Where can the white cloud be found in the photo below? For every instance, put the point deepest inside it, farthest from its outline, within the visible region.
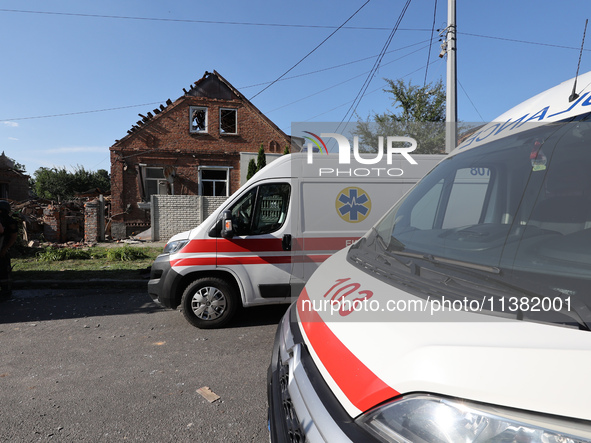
(11, 124)
(12, 138)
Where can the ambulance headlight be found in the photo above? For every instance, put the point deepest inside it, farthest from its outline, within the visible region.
(175, 246)
(426, 418)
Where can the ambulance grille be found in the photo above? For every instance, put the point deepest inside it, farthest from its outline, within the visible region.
(292, 424)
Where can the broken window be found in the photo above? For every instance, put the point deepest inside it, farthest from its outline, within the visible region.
(198, 119)
(214, 181)
(154, 182)
(228, 121)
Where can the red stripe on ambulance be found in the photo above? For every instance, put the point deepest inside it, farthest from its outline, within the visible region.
(266, 245)
(362, 387)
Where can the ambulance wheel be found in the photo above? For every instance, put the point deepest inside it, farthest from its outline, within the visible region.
(209, 303)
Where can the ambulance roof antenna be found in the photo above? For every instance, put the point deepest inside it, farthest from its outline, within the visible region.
(574, 94)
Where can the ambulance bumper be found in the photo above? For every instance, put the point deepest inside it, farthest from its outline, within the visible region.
(301, 405)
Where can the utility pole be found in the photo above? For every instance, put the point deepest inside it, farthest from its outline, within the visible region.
(451, 109)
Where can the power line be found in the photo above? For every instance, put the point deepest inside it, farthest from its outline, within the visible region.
(429, 53)
(336, 66)
(375, 67)
(240, 88)
(80, 112)
(279, 25)
(207, 22)
(312, 51)
(370, 92)
(520, 41)
(343, 82)
(283, 79)
(473, 105)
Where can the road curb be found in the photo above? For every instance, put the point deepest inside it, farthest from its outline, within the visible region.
(80, 284)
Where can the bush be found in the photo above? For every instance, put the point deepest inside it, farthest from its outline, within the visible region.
(126, 253)
(60, 254)
(123, 253)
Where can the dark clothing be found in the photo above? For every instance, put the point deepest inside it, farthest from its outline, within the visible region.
(10, 226)
(9, 223)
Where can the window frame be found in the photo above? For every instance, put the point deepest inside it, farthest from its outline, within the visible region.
(145, 179)
(255, 216)
(226, 181)
(193, 109)
(235, 121)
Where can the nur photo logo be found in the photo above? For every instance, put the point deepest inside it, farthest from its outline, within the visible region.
(381, 162)
(344, 148)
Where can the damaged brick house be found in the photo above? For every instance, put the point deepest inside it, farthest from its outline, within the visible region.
(14, 184)
(190, 146)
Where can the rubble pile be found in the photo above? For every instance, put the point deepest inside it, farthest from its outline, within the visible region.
(46, 222)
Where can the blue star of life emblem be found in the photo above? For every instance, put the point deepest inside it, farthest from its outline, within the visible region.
(353, 204)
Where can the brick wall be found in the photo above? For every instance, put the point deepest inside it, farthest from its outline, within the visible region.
(62, 223)
(52, 224)
(172, 214)
(91, 221)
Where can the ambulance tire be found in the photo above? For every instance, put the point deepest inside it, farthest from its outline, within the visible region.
(209, 303)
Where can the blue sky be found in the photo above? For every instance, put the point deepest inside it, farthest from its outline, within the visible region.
(78, 57)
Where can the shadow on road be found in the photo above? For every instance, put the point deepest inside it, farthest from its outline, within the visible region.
(34, 305)
(259, 315)
(54, 304)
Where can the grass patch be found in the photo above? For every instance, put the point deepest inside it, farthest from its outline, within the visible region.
(118, 262)
(61, 254)
(126, 253)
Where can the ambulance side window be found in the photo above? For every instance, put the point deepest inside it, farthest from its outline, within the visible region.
(271, 208)
(459, 201)
(242, 213)
(262, 210)
(422, 215)
(467, 199)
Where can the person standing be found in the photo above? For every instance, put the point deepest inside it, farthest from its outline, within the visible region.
(8, 237)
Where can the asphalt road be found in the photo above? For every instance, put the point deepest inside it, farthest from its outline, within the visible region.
(109, 365)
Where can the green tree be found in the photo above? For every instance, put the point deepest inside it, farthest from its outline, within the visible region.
(252, 168)
(102, 179)
(418, 103)
(261, 159)
(261, 162)
(60, 184)
(52, 183)
(419, 113)
(286, 150)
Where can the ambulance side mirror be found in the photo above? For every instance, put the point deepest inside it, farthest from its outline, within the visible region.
(227, 226)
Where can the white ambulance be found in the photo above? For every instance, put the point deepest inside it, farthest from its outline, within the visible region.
(271, 235)
(464, 314)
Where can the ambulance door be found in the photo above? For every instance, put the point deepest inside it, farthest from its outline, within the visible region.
(259, 253)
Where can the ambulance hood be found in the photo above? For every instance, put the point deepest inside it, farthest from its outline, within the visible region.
(180, 236)
(549, 106)
(477, 357)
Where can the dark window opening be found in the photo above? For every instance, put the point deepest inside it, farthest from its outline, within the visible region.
(228, 121)
(214, 182)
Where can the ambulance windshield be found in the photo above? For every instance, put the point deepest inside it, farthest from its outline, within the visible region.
(514, 213)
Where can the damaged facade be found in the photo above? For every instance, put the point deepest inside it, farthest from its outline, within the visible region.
(14, 184)
(190, 146)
